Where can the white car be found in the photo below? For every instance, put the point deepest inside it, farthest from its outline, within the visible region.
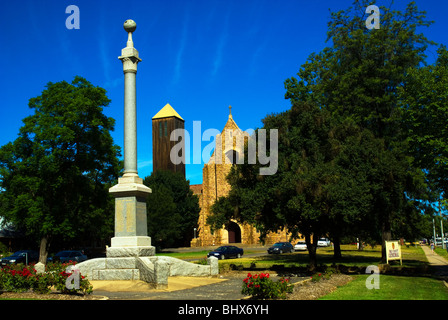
(300, 246)
(323, 242)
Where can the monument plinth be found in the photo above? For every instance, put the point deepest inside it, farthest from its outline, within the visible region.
(131, 238)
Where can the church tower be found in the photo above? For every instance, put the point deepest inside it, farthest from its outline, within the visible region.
(163, 123)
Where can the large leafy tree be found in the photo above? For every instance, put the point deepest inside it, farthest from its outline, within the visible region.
(173, 209)
(357, 78)
(358, 75)
(326, 174)
(424, 101)
(55, 175)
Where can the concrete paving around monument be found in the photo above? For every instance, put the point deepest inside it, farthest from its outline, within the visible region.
(222, 287)
(178, 288)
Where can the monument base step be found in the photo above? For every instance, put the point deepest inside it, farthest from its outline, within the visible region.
(116, 274)
(137, 251)
(154, 270)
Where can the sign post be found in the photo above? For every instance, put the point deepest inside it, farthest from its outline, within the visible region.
(393, 251)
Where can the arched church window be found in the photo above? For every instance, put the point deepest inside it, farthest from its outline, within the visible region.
(232, 156)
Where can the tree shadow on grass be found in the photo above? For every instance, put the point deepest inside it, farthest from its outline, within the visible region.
(351, 262)
(302, 258)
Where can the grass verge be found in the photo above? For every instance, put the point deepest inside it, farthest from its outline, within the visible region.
(413, 256)
(391, 288)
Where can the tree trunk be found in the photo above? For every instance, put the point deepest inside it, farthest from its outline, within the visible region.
(386, 236)
(311, 251)
(44, 246)
(337, 254)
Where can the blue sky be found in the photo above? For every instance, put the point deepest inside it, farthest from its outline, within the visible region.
(199, 56)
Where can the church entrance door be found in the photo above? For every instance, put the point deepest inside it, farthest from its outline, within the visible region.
(234, 231)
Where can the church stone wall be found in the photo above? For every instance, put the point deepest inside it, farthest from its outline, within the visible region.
(215, 185)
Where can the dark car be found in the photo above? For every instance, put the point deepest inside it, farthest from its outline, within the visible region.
(225, 252)
(67, 256)
(22, 256)
(281, 247)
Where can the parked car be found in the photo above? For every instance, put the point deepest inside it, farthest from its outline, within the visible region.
(22, 256)
(300, 246)
(68, 255)
(323, 242)
(439, 241)
(225, 252)
(281, 247)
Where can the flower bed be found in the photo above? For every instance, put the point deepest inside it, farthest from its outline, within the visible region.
(20, 278)
(262, 287)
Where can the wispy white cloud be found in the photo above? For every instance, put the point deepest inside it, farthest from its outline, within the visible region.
(182, 44)
(144, 168)
(257, 54)
(217, 62)
(144, 163)
(106, 54)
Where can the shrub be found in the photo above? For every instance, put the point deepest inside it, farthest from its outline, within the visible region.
(320, 276)
(262, 287)
(59, 275)
(202, 261)
(18, 278)
(316, 277)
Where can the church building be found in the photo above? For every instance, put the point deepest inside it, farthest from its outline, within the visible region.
(214, 185)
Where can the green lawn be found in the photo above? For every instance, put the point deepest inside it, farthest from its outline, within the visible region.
(442, 252)
(186, 255)
(412, 256)
(391, 288)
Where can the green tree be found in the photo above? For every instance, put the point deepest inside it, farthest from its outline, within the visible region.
(357, 78)
(319, 187)
(55, 176)
(173, 209)
(424, 102)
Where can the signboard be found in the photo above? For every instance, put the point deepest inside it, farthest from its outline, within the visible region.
(393, 251)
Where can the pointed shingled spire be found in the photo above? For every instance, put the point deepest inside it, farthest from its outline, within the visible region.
(166, 112)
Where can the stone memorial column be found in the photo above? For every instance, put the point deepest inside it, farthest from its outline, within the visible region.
(131, 238)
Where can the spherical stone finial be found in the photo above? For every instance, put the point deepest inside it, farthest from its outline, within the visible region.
(130, 25)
